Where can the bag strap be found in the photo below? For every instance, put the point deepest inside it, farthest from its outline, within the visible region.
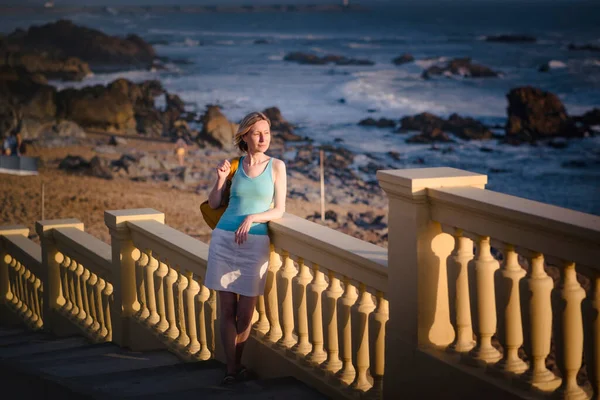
(234, 166)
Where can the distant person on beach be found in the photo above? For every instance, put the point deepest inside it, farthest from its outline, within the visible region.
(181, 150)
(238, 255)
(13, 144)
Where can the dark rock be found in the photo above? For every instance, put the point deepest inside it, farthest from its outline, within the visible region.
(395, 155)
(338, 140)
(430, 136)
(466, 128)
(216, 129)
(65, 39)
(486, 150)
(421, 122)
(261, 41)
(124, 163)
(371, 168)
(381, 123)
(558, 144)
(312, 59)
(63, 68)
(460, 67)
(590, 118)
(575, 164)
(511, 39)
(74, 163)
(534, 114)
(586, 47)
(342, 101)
(544, 68)
(280, 126)
(403, 59)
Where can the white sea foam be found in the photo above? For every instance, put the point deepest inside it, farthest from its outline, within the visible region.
(191, 42)
(555, 64)
(353, 45)
(428, 62)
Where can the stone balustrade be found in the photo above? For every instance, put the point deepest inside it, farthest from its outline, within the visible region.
(477, 292)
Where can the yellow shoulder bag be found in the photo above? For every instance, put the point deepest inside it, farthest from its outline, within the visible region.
(213, 215)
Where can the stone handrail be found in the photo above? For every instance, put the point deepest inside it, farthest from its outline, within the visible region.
(20, 272)
(484, 306)
(85, 281)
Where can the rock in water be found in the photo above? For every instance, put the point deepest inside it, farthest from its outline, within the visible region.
(535, 114)
(403, 59)
(65, 39)
(280, 126)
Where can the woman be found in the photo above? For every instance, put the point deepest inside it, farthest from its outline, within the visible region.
(238, 255)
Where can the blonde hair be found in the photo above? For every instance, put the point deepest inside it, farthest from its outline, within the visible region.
(247, 123)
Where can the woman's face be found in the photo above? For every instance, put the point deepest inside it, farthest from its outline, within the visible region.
(258, 137)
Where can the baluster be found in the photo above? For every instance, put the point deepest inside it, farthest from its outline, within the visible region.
(160, 274)
(38, 296)
(10, 289)
(100, 286)
(286, 274)
(107, 293)
(172, 332)
(485, 267)
(300, 281)
(361, 310)
(181, 284)
(377, 335)
(539, 317)
(14, 282)
(592, 334)
(72, 287)
(205, 349)
(151, 268)
(315, 291)
(79, 285)
(271, 301)
(510, 326)
(212, 317)
(91, 288)
(22, 306)
(347, 373)
(333, 363)
(262, 324)
(461, 317)
(64, 274)
(28, 300)
(190, 294)
(568, 334)
(85, 282)
(140, 276)
(33, 304)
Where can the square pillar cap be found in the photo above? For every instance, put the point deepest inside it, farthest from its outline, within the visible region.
(48, 224)
(116, 219)
(14, 230)
(414, 182)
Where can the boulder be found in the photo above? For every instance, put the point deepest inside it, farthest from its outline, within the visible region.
(535, 114)
(63, 68)
(312, 59)
(100, 168)
(73, 163)
(62, 129)
(430, 136)
(421, 122)
(460, 67)
(380, 123)
(217, 129)
(117, 141)
(464, 127)
(467, 128)
(280, 126)
(403, 59)
(65, 39)
(511, 39)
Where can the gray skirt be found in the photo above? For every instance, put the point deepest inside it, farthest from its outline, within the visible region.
(240, 269)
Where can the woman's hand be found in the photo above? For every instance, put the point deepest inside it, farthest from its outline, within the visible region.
(223, 170)
(241, 234)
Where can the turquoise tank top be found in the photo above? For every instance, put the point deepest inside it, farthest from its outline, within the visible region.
(248, 196)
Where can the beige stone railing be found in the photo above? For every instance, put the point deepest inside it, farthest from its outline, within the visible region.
(460, 304)
(20, 271)
(79, 272)
(485, 297)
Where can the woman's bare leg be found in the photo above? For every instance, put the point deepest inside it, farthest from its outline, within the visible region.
(245, 311)
(228, 311)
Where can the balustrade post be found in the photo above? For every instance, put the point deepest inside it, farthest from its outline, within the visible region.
(53, 296)
(6, 295)
(125, 305)
(418, 303)
(591, 323)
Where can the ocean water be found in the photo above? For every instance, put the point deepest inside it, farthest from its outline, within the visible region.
(226, 67)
